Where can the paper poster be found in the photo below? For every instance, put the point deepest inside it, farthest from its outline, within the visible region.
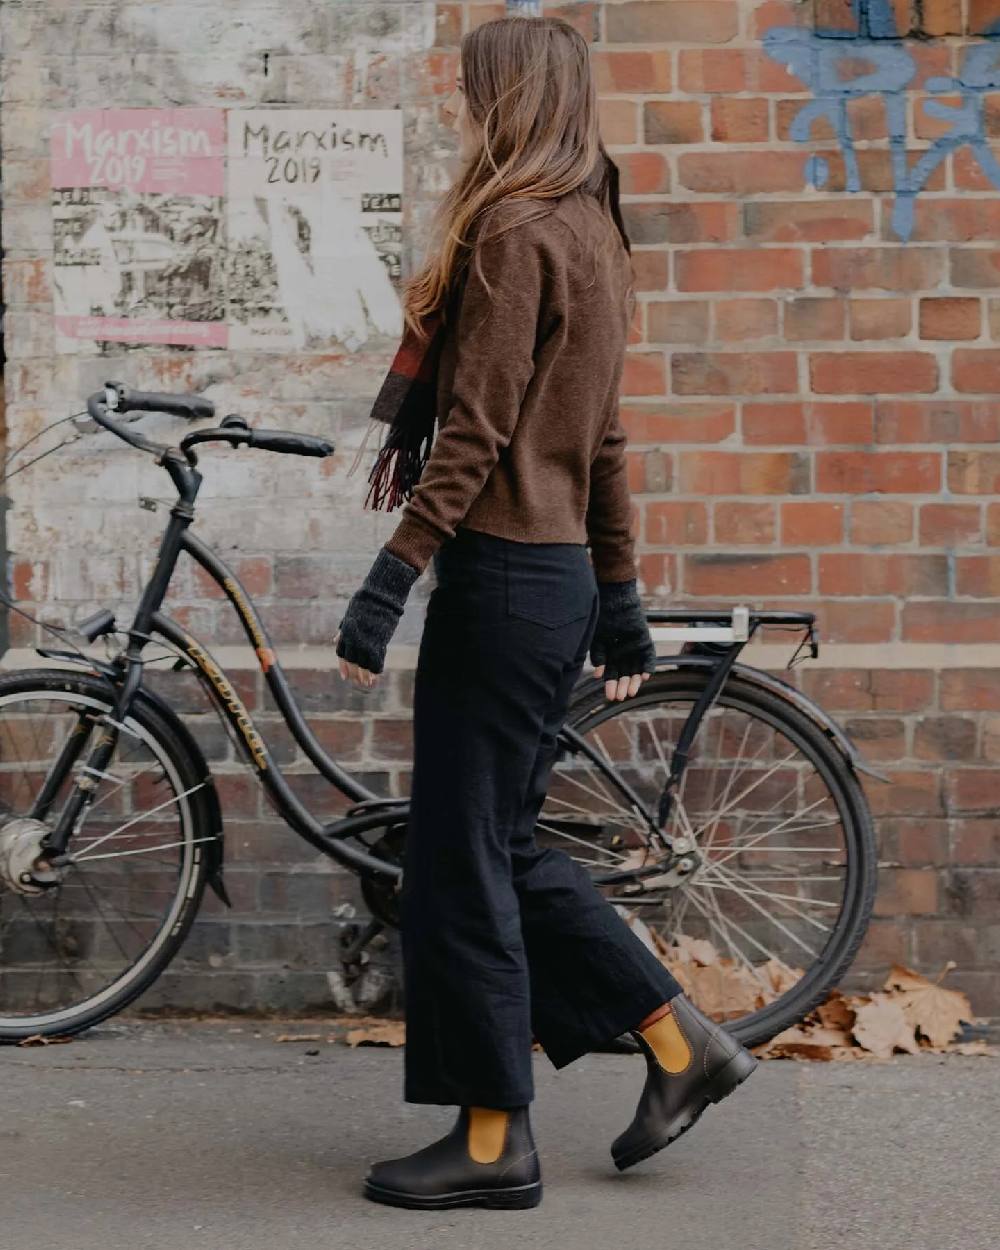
(139, 227)
(262, 228)
(314, 212)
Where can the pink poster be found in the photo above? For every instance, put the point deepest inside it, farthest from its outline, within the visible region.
(139, 227)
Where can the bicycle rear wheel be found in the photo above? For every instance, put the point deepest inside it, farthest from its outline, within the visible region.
(783, 860)
(87, 945)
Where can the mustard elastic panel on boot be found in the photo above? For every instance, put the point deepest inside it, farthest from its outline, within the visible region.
(487, 1134)
(669, 1044)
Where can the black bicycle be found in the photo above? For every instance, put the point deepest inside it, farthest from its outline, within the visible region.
(719, 809)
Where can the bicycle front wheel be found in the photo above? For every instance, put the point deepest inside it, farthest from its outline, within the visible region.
(86, 945)
(778, 887)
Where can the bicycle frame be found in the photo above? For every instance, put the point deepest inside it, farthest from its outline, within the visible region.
(369, 810)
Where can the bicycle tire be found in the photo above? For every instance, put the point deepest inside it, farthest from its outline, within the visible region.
(175, 756)
(590, 707)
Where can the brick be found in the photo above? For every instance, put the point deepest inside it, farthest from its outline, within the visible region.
(856, 620)
(723, 71)
(976, 267)
(677, 321)
(976, 841)
(907, 892)
(643, 173)
(966, 219)
(881, 738)
(733, 373)
(702, 221)
(912, 792)
(879, 318)
(739, 320)
(753, 524)
(748, 473)
(644, 373)
(858, 472)
(945, 738)
(976, 369)
(872, 373)
(886, 268)
(672, 121)
(970, 689)
(936, 420)
(651, 471)
(812, 524)
(805, 221)
(727, 575)
(676, 523)
(739, 119)
(733, 269)
(657, 573)
(863, 573)
(618, 120)
(668, 21)
(886, 942)
(632, 72)
(973, 790)
(914, 843)
(974, 472)
(978, 576)
(739, 173)
(937, 620)
(651, 268)
(993, 525)
(950, 525)
(813, 317)
(950, 318)
(818, 423)
(709, 422)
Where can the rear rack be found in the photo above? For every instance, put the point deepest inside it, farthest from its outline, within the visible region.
(729, 625)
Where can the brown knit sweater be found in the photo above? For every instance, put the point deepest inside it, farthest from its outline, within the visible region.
(529, 445)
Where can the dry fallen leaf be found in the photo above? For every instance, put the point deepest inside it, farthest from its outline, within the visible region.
(881, 1027)
(377, 1033)
(298, 1037)
(936, 1013)
(39, 1039)
(835, 1012)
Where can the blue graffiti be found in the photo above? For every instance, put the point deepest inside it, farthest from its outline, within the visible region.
(842, 65)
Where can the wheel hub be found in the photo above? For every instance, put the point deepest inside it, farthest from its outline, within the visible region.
(23, 868)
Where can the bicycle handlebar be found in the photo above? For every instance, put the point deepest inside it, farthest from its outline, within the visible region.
(117, 398)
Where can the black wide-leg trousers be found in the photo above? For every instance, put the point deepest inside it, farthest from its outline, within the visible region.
(504, 940)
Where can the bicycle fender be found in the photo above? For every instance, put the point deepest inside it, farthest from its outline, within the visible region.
(776, 686)
(215, 846)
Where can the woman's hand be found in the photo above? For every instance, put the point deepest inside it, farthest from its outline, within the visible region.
(371, 618)
(623, 687)
(622, 648)
(362, 677)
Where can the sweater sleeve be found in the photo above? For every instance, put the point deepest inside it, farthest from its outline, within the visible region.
(495, 347)
(609, 510)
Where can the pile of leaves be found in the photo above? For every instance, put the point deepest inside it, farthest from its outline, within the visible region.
(910, 1013)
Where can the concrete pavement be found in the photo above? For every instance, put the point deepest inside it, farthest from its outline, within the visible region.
(215, 1136)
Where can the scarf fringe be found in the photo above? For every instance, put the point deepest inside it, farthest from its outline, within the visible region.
(401, 461)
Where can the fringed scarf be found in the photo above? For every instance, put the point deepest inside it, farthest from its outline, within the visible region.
(407, 404)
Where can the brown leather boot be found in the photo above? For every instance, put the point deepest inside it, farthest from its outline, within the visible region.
(690, 1062)
(487, 1160)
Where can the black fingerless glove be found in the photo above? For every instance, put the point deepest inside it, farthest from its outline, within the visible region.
(621, 640)
(374, 611)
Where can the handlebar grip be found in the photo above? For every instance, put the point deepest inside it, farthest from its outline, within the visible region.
(192, 407)
(289, 443)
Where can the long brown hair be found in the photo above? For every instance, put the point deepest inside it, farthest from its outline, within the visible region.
(530, 91)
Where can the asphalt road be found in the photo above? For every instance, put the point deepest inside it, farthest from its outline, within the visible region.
(216, 1136)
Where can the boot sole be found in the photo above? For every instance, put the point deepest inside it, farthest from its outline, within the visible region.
(515, 1198)
(723, 1083)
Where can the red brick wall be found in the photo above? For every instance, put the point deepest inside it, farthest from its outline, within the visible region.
(810, 394)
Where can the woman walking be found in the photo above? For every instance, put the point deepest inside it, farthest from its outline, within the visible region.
(514, 346)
